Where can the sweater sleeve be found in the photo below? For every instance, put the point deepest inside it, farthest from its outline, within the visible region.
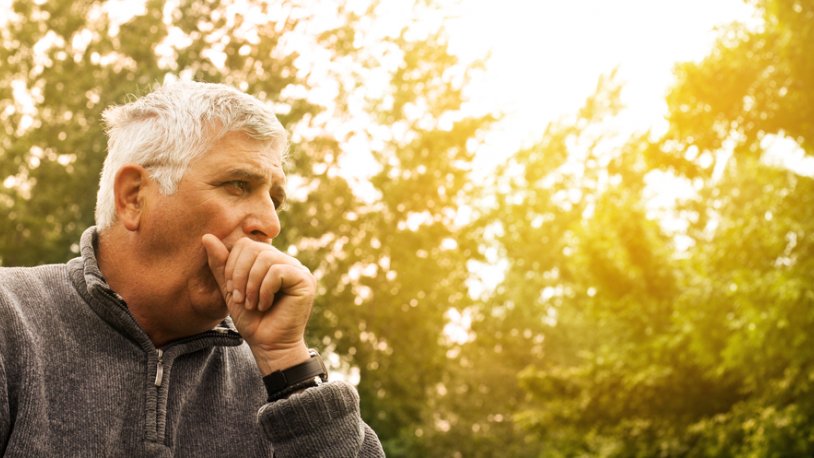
(322, 421)
(5, 414)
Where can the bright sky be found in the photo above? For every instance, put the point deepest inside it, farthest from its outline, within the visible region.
(548, 55)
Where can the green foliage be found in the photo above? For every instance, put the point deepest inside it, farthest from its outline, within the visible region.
(753, 83)
(660, 351)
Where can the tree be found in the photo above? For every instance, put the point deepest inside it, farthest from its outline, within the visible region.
(752, 84)
(589, 295)
(701, 351)
(397, 258)
(749, 227)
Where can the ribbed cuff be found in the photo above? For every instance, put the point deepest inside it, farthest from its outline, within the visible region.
(322, 421)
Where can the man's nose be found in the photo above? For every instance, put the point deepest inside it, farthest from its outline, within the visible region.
(263, 224)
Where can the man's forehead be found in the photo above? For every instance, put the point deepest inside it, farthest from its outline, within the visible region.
(239, 154)
(245, 146)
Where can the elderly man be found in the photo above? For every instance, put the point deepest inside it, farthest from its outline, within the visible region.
(180, 329)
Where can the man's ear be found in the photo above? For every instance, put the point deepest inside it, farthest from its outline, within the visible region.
(129, 194)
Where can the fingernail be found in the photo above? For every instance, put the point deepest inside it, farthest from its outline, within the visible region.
(237, 296)
(248, 303)
(228, 286)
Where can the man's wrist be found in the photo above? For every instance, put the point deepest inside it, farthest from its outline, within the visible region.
(269, 361)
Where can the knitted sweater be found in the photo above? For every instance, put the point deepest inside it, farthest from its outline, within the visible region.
(78, 376)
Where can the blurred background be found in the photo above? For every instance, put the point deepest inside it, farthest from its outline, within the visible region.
(540, 228)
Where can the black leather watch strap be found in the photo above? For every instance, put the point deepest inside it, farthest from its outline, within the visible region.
(283, 382)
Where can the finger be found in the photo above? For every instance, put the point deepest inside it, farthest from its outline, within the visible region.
(262, 263)
(285, 279)
(234, 255)
(264, 260)
(262, 257)
(272, 282)
(243, 263)
(216, 256)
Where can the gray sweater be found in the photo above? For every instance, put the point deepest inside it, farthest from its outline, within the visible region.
(79, 377)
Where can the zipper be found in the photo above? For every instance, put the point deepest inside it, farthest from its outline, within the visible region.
(219, 331)
(159, 368)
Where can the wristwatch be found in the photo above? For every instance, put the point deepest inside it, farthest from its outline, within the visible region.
(282, 383)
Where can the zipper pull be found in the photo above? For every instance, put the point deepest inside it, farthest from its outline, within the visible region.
(159, 368)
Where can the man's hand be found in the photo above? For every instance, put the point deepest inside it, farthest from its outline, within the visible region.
(269, 295)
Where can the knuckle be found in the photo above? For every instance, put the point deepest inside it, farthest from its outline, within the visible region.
(277, 269)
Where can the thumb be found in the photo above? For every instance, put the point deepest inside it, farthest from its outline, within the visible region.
(216, 254)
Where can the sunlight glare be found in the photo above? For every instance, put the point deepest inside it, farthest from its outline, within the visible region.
(547, 56)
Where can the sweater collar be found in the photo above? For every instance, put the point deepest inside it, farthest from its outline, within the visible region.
(92, 286)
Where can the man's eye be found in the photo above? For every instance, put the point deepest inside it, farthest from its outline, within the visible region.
(240, 186)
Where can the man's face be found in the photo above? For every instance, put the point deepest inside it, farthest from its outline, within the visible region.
(232, 191)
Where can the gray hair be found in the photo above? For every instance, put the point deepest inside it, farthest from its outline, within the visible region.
(168, 128)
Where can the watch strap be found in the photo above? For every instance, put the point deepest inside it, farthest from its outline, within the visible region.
(307, 374)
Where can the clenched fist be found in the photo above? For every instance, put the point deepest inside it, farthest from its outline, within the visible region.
(269, 295)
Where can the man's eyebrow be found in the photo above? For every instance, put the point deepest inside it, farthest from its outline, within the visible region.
(245, 174)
